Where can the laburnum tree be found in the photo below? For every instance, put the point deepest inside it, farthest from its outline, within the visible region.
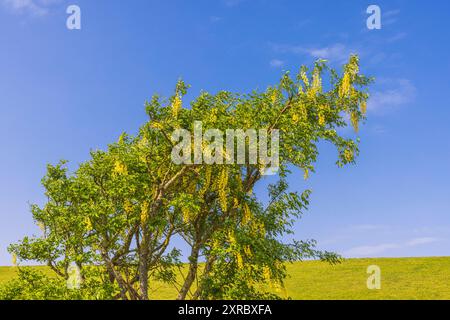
(115, 217)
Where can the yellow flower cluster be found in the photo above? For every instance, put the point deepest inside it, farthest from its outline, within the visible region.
(41, 226)
(344, 89)
(316, 85)
(239, 260)
(274, 96)
(231, 238)
(304, 78)
(157, 125)
(222, 188)
(88, 223)
(208, 172)
(145, 207)
(258, 228)
(176, 106)
(246, 218)
(128, 207)
(317, 81)
(120, 168)
(248, 251)
(348, 155)
(186, 214)
(300, 113)
(306, 174)
(364, 107)
(266, 273)
(321, 119)
(355, 121)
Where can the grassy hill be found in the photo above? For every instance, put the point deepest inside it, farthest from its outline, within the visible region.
(402, 278)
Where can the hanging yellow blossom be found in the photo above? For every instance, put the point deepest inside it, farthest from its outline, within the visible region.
(88, 223)
(247, 214)
(208, 172)
(355, 121)
(364, 107)
(317, 81)
(304, 78)
(274, 96)
(257, 227)
(144, 211)
(238, 183)
(186, 214)
(266, 273)
(248, 251)
(157, 125)
(295, 118)
(122, 138)
(14, 260)
(344, 89)
(41, 226)
(348, 155)
(176, 106)
(231, 238)
(128, 206)
(120, 168)
(306, 174)
(239, 261)
(316, 86)
(222, 188)
(321, 119)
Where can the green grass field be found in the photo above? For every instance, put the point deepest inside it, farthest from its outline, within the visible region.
(401, 278)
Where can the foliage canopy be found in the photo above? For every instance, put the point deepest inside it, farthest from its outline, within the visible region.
(115, 217)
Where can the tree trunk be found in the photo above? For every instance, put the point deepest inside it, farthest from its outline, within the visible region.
(143, 271)
(193, 266)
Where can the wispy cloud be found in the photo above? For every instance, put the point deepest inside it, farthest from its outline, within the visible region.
(337, 52)
(32, 7)
(276, 63)
(390, 17)
(232, 3)
(368, 227)
(373, 250)
(367, 251)
(420, 241)
(397, 37)
(394, 93)
(215, 19)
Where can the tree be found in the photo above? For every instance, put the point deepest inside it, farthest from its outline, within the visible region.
(120, 210)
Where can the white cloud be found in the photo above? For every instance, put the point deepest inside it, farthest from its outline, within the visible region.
(368, 251)
(276, 63)
(397, 37)
(368, 227)
(420, 241)
(32, 7)
(334, 53)
(394, 93)
(214, 19)
(232, 3)
(389, 17)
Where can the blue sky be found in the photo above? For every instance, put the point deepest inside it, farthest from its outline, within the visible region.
(64, 92)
